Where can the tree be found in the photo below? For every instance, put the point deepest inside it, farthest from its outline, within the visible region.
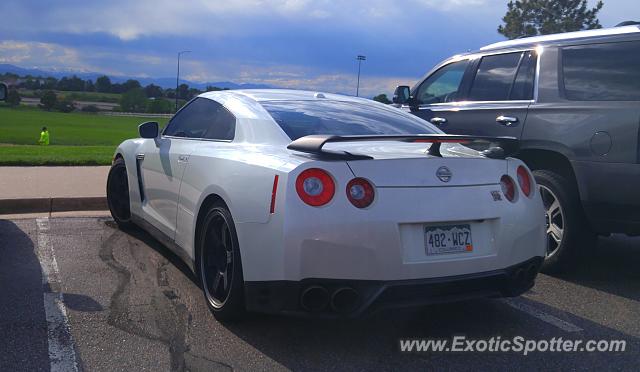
(159, 106)
(153, 91)
(50, 83)
(103, 84)
(48, 100)
(89, 86)
(65, 105)
(382, 98)
(542, 17)
(73, 83)
(130, 84)
(117, 88)
(193, 92)
(134, 101)
(13, 97)
(183, 91)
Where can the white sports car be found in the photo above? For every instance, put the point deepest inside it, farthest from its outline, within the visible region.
(309, 203)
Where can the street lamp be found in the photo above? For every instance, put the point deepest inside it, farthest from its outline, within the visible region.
(360, 59)
(178, 75)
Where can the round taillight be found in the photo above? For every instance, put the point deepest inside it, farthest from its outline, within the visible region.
(524, 179)
(315, 187)
(360, 192)
(508, 188)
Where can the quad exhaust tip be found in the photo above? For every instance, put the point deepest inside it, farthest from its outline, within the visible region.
(315, 298)
(344, 300)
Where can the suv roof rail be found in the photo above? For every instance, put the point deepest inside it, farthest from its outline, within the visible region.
(627, 23)
(624, 29)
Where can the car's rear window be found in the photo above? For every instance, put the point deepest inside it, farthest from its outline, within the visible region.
(303, 118)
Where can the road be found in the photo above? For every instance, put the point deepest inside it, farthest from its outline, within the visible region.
(105, 106)
(129, 304)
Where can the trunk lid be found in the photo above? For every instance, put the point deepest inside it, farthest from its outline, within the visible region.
(408, 165)
(429, 172)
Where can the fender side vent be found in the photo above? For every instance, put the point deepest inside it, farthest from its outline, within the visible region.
(139, 159)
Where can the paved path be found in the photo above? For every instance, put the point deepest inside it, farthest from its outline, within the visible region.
(52, 182)
(124, 302)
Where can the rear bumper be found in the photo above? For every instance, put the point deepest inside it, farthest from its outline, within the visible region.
(352, 298)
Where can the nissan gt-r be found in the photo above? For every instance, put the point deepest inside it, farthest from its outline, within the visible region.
(318, 204)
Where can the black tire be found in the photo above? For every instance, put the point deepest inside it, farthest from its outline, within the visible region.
(219, 266)
(118, 194)
(576, 234)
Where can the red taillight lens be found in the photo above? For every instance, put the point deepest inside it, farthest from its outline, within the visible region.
(315, 187)
(524, 179)
(360, 192)
(508, 187)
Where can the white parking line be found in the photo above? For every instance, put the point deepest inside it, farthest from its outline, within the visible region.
(62, 356)
(548, 318)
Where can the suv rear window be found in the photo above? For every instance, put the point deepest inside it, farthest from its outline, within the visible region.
(602, 72)
(303, 118)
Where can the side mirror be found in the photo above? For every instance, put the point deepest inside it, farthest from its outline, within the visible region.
(402, 95)
(149, 129)
(3, 92)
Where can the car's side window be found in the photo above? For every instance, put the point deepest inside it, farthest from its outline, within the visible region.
(602, 72)
(202, 118)
(443, 85)
(494, 77)
(192, 121)
(224, 124)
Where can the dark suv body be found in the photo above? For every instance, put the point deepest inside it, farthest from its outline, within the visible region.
(574, 102)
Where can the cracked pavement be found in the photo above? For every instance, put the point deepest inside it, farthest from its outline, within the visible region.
(133, 305)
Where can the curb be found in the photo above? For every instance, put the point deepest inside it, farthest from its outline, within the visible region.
(49, 205)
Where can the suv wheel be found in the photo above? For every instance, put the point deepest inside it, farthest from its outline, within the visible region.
(567, 229)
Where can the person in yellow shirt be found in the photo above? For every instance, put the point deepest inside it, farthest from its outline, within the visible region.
(44, 137)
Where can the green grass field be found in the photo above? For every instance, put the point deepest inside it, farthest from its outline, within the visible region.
(75, 138)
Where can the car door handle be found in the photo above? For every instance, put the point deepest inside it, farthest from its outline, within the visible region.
(438, 121)
(183, 158)
(507, 120)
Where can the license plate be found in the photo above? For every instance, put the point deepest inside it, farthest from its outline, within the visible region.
(448, 239)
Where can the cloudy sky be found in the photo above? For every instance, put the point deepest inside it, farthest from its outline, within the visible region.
(308, 44)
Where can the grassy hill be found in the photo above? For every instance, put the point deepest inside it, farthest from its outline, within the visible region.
(76, 138)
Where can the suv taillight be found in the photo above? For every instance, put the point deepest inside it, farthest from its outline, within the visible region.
(315, 187)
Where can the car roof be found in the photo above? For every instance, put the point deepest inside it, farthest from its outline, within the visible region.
(262, 95)
(559, 38)
(247, 102)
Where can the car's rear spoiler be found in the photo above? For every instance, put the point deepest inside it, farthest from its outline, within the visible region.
(491, 147)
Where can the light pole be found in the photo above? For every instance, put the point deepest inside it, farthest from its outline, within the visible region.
(360, 59)
(178, 75)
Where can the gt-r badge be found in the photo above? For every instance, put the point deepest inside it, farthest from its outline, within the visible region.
(496, 195)
(444, 174)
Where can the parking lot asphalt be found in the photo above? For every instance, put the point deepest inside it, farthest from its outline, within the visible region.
(120, 301)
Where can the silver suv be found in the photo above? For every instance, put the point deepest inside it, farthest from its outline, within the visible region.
(573, 100)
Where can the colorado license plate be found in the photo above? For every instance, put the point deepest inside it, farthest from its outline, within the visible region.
(448, 239)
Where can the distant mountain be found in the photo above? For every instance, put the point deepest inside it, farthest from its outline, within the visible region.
(165, 82)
